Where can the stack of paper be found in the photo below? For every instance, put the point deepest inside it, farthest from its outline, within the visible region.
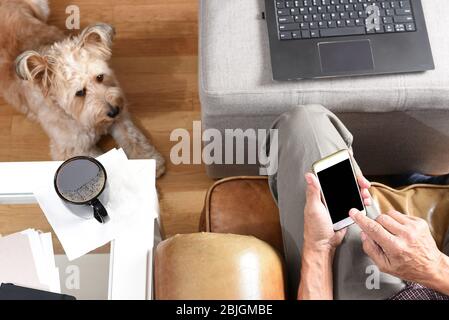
(27, 260)
(127, 198)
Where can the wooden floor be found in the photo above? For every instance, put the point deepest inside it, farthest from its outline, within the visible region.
(155, 57)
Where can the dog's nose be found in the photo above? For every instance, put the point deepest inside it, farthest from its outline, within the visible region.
(113, 112)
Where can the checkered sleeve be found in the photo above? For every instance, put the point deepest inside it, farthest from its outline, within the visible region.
(414, 291)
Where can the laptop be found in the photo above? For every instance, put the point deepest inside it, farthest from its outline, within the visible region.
(334, 38)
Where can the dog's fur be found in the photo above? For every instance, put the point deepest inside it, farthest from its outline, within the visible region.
(65, 83)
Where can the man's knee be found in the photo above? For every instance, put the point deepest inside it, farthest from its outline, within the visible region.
(302, 118)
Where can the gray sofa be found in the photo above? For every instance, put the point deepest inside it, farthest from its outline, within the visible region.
(400, 122)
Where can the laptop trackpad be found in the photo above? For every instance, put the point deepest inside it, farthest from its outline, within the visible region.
(346, 56)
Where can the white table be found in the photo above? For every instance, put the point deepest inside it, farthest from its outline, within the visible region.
(130, 258)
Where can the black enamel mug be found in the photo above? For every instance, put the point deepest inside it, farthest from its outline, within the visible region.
(80, 181)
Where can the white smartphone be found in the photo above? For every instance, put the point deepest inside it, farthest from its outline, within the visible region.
(340, 190)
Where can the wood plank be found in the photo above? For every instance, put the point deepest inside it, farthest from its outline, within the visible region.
(167, 83)
(186, 64)
(151, 12)
(141, 103)
(155, 47)
(155, 20)
(178, 218)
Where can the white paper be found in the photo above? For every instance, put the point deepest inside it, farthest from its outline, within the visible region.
(53, 272)
(38, 256)
(17, 263)
(28, 260)
(125, 197)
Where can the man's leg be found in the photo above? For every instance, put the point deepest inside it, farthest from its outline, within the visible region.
(307, 134)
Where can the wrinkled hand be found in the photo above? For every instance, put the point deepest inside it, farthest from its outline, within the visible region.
(319, 233)
(400, 245)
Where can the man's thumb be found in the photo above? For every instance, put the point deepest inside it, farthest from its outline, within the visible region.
(313, 191)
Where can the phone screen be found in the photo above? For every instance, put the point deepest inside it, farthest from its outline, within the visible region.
(340, 190)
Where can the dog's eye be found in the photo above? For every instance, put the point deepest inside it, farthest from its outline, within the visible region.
(81, 93)
(100, 78)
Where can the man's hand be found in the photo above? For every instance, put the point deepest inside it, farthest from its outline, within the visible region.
(319, 233)
(403, 246)
(320, 242)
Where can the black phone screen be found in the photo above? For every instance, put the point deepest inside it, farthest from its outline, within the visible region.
(340, 190)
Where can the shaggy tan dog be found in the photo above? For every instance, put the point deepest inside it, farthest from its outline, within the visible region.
(65, 83)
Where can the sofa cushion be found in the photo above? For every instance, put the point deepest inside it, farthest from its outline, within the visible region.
(236, 77)
(244, 205)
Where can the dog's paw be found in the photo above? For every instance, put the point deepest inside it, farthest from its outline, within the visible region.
(160, 164)
(160, 168)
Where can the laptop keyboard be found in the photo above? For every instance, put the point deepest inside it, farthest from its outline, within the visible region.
(305, 19)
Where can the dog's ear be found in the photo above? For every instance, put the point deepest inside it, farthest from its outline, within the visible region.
(31, 66)
(97, 39)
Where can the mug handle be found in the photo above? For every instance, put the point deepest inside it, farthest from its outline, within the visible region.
(100, 213)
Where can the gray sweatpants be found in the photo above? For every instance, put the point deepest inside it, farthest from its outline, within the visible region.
(307, 134)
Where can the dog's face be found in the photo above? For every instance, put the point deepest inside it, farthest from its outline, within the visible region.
(74, 75)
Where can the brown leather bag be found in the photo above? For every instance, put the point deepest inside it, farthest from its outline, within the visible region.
(244, 205)
(428, 202)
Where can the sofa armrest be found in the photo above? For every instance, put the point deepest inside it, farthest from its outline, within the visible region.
(207, 266)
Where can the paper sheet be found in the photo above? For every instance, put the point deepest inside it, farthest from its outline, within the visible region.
(17, 264)
(27, 259)
(53, 276)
